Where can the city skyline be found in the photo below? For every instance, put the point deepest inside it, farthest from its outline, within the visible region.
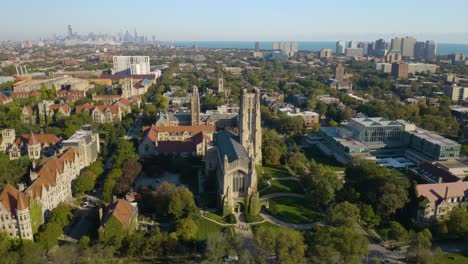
(239, 21)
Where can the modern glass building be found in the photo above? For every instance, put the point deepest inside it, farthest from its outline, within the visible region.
(380, 136)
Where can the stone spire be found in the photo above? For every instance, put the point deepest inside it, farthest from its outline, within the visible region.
(22, 204)
(195, 106)
(32, 139)
(250, 130)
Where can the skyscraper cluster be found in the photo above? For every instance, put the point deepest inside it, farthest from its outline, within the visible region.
(407, 47)
(288, 47)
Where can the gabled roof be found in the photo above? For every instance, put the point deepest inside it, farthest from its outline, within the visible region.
(437, 192)
(43, 139)
(86, 106)
(47, 172)
(123, 211)
(229, 146)
(12, 199)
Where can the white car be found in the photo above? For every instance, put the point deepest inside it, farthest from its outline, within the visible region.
(85, 204)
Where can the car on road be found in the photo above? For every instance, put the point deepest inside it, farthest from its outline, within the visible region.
(85, 204)
(229, 258)
(386, 261)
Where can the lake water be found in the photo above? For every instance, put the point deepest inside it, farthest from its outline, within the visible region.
(442, 48)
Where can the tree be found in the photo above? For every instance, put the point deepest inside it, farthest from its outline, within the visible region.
(218, 244)
(181, 203)
(130, 171)
(84, 242)
(97, 167)
(336, 245)
(457, 223)
(125, 150)
(343, 213)
(271, 156)
(418, 242)
(287, 245)
(186, 229)
(85, 182)
(49, 235)
(363, 175)
(395, 231)
(61, 215)
(322, 182)
(368, 216)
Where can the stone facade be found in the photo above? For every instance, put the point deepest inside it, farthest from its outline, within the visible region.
(15, 219)
(441, 199)
(233, 158)
(250, 129)
(184, 140)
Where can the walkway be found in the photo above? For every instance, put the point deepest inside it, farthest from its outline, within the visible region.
(282, 194)
(277, 222)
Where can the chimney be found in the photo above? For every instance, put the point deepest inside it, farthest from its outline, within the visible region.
(446, 193)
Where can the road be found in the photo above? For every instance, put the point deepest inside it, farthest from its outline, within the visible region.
(134, 130)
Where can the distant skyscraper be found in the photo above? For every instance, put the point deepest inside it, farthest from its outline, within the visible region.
(362, 45)
(407, 47)
(352, 44)
(340, 47)
(431, 49)
(131, 65)
(70, 31)
(420, 50)
(325, 53)
(288, 47)
(380, 44)
(257, 46)
(396, 44)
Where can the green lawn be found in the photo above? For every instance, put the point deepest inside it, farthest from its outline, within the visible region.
(454, 258)
(216, 217)
(206, 227)
(314, 152)
(283, 186)
(266, 225)
(293, 210)
(272, 172)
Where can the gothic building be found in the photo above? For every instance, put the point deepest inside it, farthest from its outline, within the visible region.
(195, 106)
(233, 157)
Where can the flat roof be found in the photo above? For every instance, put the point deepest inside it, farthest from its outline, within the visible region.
(432, 137)
(375, 121)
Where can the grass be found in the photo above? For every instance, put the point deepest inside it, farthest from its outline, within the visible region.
(283, 186)
(455, 258)
(255, 227)
(216, 217)
(314, 152)
(293, 210)
(272, 172)
(206, 227)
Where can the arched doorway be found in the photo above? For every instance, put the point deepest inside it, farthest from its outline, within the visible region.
(238, 207)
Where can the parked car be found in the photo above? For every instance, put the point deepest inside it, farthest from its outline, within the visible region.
(229, 258)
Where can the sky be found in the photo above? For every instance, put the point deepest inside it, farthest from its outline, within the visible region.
(240, 20)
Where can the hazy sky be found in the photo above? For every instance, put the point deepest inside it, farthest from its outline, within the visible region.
(308, 20)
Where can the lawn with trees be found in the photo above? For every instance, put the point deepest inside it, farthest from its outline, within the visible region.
(293, 210)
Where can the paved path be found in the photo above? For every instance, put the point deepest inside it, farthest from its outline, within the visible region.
(290, 178)
(282, 194)
(275, 221)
